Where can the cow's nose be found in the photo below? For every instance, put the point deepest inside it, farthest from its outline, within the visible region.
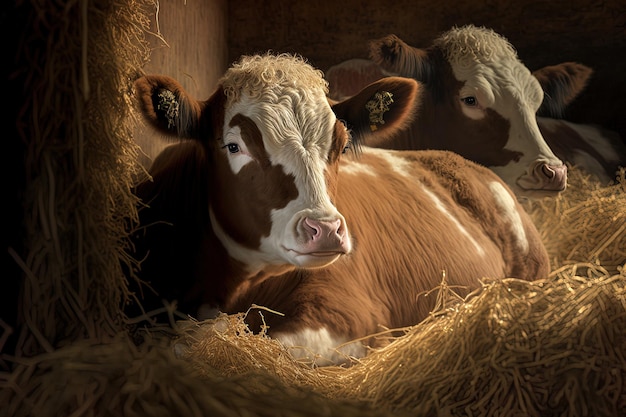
(552, 177)
(324, 235)
(544, 176)
(319, 229)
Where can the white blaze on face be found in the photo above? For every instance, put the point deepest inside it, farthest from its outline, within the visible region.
(494, 78)
(507, 207)
(297, 131)
(237, 160)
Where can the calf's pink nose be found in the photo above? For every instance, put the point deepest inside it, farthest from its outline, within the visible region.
(320, 229)
(554, 177)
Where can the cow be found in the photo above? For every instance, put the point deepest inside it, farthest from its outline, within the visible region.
(270, 200)
(594, 149)
(478, 99)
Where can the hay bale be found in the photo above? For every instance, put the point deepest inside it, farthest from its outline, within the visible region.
(118, 378)
(76, 63)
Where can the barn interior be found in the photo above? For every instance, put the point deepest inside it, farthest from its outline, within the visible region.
(73, 156)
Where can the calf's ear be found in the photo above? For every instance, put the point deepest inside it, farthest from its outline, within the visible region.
(561, 84)
(396, 56)
(381, 109)
(166, 105)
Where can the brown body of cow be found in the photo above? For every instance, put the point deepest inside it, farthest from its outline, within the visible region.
(272, 202)
(478, 99)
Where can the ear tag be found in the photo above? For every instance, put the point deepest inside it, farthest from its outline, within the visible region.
(169, 106)
(377, 107)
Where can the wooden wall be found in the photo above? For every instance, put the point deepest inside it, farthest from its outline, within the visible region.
(545, 32)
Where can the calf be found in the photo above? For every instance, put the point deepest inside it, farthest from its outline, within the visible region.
(591, 148)
(477, 99)
(272, 201)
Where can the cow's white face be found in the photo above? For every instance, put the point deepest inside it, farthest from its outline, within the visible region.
(296, 136)
(479, 101)
(499, 81)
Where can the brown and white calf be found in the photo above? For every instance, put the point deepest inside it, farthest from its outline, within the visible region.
(272, 201)
(478, 99)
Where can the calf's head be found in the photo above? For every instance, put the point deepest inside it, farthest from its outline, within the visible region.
(273, 144)
(484, 102)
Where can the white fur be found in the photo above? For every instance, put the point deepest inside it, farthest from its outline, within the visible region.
(398, 164)
(402, 166)
(506, 204)
(297, 129)
(491, 71)
(440, 206)
(239, 159)
(598, 139)
(349, 167)
(320, 347)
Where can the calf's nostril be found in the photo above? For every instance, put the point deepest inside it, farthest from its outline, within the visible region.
(548, 171)
(312, 227)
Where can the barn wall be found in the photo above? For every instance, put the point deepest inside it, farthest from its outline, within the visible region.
(545, 32)
(189, 44)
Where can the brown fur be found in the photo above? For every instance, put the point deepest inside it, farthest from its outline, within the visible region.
(404, 247)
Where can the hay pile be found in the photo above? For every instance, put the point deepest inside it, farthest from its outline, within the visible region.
(75, 62)
(553, 347)
(117, 378)
(586, 223)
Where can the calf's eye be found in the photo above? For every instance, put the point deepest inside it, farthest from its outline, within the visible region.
(470, 101)
(232, 147)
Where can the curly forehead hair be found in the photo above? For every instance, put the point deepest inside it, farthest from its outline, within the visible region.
(257, 74)
(470, 44)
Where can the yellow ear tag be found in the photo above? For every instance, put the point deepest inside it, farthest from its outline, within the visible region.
(169, 106)
(377, 107)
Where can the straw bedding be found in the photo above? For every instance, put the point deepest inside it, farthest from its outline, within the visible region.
(552, 347)
(586, 223)
(555, 347)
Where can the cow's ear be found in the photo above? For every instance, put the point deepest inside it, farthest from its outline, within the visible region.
(561, 84)
(382, 109)
(166, 105)
(396, 56)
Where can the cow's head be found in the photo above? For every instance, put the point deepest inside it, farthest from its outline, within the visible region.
(485, 103)
(273, 144)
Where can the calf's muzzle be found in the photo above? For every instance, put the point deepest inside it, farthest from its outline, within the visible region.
(543, 176)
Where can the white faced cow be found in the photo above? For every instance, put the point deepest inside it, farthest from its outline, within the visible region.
(478, 99)
(272, 202)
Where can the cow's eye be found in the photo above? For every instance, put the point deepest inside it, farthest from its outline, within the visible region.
(470, 101)
(232, 147)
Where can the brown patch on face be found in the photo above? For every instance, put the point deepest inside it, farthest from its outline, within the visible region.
(444, 126)
(485, 140)
(243, 202)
